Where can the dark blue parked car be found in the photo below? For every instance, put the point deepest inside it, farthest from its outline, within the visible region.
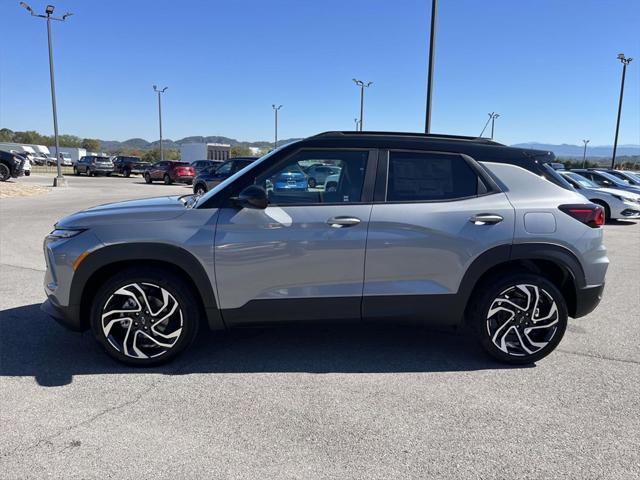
(212, 176)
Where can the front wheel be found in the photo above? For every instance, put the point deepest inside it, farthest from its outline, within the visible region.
(5, 173)
(126, 173)
(147, 177)
(76, 172)
(519, 318)
(144, 316)
(312, 182)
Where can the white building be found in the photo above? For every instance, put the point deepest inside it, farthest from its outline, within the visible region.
(190, 152)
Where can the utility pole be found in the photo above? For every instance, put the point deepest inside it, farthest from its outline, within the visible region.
(275, 111)
(59, 180)
(432, 53)
(160, 92)
(492, 119)
(625, 62)
(584, 154)
(362, 86)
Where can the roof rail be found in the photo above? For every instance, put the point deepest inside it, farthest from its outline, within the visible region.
(337, 133)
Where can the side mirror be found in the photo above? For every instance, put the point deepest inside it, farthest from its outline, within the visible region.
(252, 197)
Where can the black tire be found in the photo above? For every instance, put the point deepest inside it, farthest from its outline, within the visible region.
(199, 189)
(312, 182)
(76, 172)
(126, 172)
(108, 174)
(494, 294)
(186, 317)
(5, 173)
(607, 210)
(147, 177)
(167, 179)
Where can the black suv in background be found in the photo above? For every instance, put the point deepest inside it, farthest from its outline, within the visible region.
(212, 176)
(200, 165)
(11, 165)
(125, 165)
(93, 165)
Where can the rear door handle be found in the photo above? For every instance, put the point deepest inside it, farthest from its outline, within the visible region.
(340, 222)
(486, 219)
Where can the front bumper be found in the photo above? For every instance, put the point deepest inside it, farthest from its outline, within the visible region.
(587, 299)
(68, 317)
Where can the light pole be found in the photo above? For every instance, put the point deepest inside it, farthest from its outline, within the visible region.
(584, 154)
(160, 92)
(625, 62)
(492, 119)
(355, 120)
(59, 180)
(432, 53)
(362, 86)
(275, 111)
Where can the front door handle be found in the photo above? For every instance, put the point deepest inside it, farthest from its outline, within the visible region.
(340, 222)
(486, 219)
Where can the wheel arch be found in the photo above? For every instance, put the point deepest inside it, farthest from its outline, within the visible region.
(108, 260)
(554, 262)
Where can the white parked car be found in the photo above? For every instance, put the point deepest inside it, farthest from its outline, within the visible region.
(618, 204)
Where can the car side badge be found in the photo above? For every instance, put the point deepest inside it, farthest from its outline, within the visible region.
(345, 198)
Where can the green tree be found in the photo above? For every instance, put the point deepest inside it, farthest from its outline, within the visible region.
(28, 137)
(240, 151)
(6, 135)
(69, 141)
(154, 155)
(91, 144)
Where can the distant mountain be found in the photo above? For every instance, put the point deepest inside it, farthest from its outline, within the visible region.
(570, 151)
(142, 144)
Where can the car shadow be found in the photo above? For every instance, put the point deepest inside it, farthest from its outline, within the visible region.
(34, 345)
(620, 223)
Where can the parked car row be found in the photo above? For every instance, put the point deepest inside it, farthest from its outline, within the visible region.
(617, 191)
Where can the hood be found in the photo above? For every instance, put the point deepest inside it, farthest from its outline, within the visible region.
(621, 193)
(144, 210)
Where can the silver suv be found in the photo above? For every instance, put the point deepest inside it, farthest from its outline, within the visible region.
(438, 230)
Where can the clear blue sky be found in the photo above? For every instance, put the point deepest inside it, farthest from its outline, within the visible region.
(547, 66)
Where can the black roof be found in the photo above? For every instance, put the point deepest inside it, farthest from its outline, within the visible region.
(430, 136)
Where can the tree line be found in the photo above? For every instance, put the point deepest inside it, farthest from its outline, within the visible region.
(31, 137)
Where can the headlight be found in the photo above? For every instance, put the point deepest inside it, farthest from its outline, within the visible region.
(65, 233)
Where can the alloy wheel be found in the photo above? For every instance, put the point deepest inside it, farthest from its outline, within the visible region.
(142, 320)
(522, 320)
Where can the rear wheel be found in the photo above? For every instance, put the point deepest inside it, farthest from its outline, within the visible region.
(75, 171)
(167, 179)
(5, 173)
(519, 318)
(147, 177)
(144, 316)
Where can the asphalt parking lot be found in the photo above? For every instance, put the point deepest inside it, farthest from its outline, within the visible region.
(315, 402)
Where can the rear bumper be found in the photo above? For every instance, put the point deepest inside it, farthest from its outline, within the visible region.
(587, 299)
(185, 179)
(68, 317)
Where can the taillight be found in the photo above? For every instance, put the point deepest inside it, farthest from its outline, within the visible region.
(588, 213)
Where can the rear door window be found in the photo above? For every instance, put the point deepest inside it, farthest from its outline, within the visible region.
(426, 176)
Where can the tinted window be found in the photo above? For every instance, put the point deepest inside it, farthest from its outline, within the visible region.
(224, 168)
(415, 177)
(287, 182)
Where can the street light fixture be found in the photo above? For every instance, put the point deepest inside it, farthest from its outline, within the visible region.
(492, 119)
(362, 86)
(584, 154)
(355, 120)
(275, 111)
(59, 180)
(625, 61)
(160, 92)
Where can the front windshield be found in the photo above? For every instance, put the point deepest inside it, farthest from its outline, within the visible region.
(232, 178)
(580, 180)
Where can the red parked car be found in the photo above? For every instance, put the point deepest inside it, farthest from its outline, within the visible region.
(170, 171)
